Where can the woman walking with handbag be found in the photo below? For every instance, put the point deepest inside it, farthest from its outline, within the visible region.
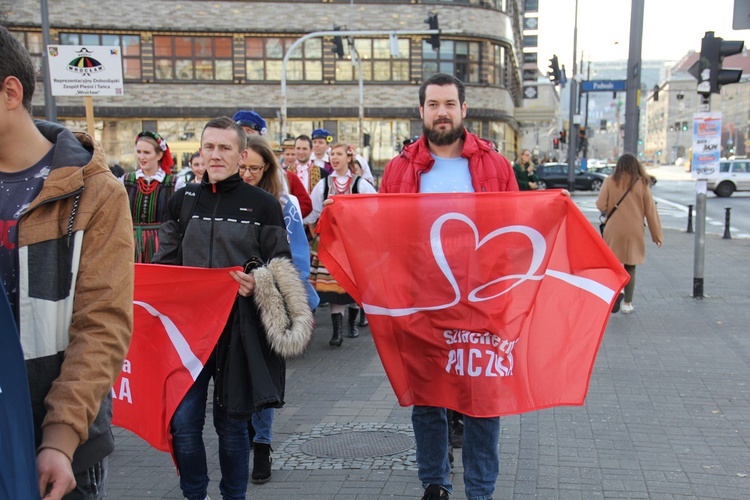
(626, 199)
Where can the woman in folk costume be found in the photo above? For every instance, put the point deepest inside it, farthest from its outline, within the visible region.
(149, 189)
(342, 180)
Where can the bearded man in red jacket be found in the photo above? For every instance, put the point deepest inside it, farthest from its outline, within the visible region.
(448, 158)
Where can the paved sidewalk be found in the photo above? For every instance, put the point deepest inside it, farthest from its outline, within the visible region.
(667, 415)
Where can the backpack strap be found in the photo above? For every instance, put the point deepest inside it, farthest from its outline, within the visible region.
(189, 201)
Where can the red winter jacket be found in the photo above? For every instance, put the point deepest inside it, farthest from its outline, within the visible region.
(490, 171)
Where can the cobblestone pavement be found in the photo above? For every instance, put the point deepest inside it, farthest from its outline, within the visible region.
(667, 414)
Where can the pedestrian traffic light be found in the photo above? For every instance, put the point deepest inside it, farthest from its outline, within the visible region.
(338, 44)
(563, 136)
(432, 21)
(684, 126)
(656, 93)
(713, 51)
(554, 72)
(556, 143)
(582, 141)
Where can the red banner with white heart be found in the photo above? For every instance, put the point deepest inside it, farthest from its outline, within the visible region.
(178, 316)
(488, 303)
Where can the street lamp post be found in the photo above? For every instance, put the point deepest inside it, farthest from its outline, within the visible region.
(572, 132)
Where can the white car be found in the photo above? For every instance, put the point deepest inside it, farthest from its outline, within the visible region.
(734, 175)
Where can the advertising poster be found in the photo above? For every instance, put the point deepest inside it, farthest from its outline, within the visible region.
(706, 144)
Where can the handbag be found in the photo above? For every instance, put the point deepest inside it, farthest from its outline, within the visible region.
(603, 220)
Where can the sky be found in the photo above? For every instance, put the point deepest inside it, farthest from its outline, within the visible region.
(670, 28)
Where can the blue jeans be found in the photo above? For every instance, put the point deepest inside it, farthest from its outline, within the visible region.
(479, 454)
(190, 452)
(263, 424)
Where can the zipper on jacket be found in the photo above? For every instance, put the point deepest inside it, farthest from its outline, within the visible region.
(211, 233)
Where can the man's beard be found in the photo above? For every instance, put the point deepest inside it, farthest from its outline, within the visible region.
(443, 138)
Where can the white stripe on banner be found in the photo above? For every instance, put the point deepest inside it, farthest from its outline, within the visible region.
(603, 292)
(189, 360)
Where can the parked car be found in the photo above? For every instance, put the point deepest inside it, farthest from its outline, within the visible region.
(555, 175)
(733, 175)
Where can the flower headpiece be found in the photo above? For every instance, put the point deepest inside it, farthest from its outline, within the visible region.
(166, 161)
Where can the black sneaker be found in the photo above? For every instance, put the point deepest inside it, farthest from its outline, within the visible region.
(616, 307)
(435, 492)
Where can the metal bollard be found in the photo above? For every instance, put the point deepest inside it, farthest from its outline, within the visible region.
(727, 235)
(690, 219)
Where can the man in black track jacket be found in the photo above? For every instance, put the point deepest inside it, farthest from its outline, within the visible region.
(231, 223)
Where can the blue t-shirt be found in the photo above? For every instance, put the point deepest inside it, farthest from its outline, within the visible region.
(447, 175)
(17, 191)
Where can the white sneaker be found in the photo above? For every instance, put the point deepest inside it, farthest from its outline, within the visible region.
(627, 308)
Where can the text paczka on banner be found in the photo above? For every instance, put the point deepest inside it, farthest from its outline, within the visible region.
(487, 303)
(178, 316)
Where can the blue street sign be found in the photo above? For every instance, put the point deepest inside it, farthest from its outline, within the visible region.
(603, 86)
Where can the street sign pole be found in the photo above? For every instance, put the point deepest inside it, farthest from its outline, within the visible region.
(572, 132)
(701, 188)
(632, 102)
(50, 108)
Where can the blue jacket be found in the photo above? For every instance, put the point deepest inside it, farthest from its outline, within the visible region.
(17, 455)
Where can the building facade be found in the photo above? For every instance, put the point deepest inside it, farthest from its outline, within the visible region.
(185, 61)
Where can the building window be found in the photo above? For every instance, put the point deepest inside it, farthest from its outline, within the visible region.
(377, 61)
(264, 58)
(193, 58)
(457, 58)
(33, 43)
(495, 65)
(129, 44)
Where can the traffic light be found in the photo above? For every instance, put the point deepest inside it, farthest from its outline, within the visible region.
(582, 142)
(563, 136)
(656, 93)
(713, 51)
(554, 72)
(556, 143)
(432, 21)
(338, 44)
(684, 126)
